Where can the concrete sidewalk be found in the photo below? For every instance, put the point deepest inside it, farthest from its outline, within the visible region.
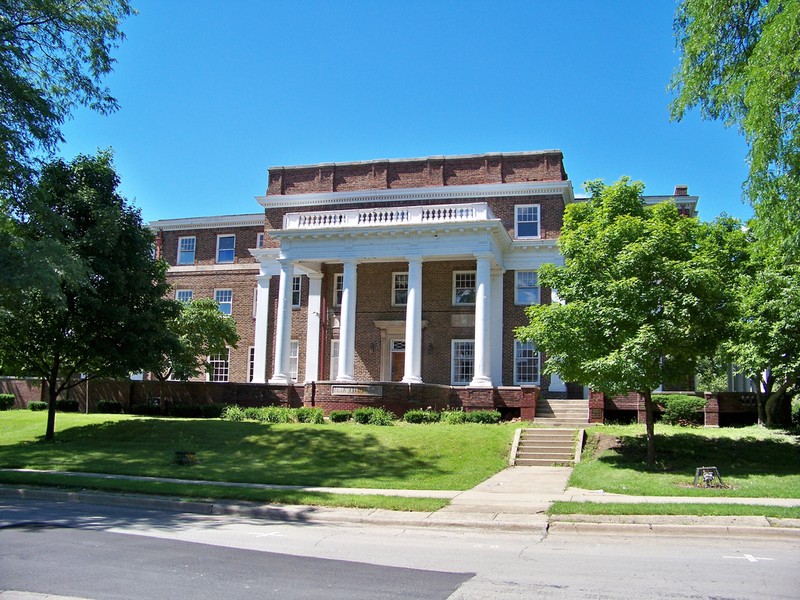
(516, 498)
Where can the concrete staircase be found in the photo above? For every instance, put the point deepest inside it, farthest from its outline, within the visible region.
(562, 413)
(539, 447)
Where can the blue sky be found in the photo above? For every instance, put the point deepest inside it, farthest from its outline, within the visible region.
(212, 93)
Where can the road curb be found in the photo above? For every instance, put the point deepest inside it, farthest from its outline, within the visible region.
(644, 528)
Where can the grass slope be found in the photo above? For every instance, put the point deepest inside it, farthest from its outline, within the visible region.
(426, 457)
(753, 462)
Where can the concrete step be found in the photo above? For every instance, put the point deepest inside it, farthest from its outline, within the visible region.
(559, 456)
(542, 462)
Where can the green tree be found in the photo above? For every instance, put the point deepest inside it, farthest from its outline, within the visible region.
(765, 346)
(740, 63)
(201, 331)
(111, 316)
(645, 295)
(54, 55)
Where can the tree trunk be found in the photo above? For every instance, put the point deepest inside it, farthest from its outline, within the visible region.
(52, 392)
(650, 426)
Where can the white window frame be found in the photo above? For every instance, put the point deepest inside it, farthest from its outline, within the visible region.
(294, 359)
(456, 297)
(535, 365)
(181, 250)
(255, 302)
(251, 363)
(297, 290)
(232, 250)
(220, 303)
(334, 366)
(518, 286)
(518, 221)
(338, 288)
(396, 288)
(184, 292)
(455, 367)
(225, 368)
(260, 239)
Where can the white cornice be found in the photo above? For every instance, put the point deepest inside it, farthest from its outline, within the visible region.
(435, 193)
(251, 220)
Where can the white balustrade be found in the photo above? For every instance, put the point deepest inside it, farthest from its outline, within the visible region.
(383, 216)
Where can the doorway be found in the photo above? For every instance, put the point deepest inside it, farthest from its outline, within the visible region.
(397, 359)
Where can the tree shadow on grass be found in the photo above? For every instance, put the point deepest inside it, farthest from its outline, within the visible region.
(684, 452)
(226, 451)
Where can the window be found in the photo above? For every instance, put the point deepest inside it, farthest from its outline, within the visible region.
(338, 288)
(260, 239)
(226, 245)
(251, 363)
(526, 221)
(527, 288)
(464, 287)
(297, 288)
(334, 359)
(526, 363)
(294, 353)
(186, 247)
(399, 289)
(184, 296)
(463, 361)
(219, 366)
(255, 302)
(225, 300)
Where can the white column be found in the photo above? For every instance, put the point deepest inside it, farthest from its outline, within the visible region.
(262, 316)
(496, 350)
(483, 311)
(283, 329)
(347, 324)
(312, 331)
(413, 359)
(556, 383)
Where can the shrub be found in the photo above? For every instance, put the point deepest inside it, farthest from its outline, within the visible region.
(309, 415)
(185, 411)
(680, 409)
(6, 401)
(488, 417)
(454, 417)
(234, 412)
(37, 405)
(369, 415)
(421, 416)
(340, 416)
(211, 411)
(67, 405)
(146, 410)
(796, 412)
(271, 414)
(109, 407)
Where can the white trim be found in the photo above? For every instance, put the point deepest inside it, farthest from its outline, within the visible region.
(474, 287)
(337, 277)
(538, 380)
(453, 362)
(179, 290)
(440, 192)
(233, 250)
(299, 279)
(194, 250)
(394, 288)
(214, 267)
(230, 302)
(208, 222)
(537, 287)
(538, 221)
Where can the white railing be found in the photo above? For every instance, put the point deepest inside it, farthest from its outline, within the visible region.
(383, 216)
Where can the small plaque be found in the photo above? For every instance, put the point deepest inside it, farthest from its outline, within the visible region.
(356, 390)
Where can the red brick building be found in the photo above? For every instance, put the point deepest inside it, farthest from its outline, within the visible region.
(410, 270)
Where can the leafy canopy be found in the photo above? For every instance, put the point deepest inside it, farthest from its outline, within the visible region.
(740, 63)
(53, 57)
(201, 331)
(111, 316)
(645, 292)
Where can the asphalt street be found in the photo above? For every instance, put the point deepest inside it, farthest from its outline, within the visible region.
(102, 552)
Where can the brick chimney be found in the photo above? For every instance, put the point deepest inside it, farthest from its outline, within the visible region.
(681, 190)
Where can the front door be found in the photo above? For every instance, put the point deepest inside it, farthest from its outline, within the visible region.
(398, 359)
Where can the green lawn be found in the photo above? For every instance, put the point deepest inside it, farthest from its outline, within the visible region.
(427, 457)
(753, 462)
(701, 510)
